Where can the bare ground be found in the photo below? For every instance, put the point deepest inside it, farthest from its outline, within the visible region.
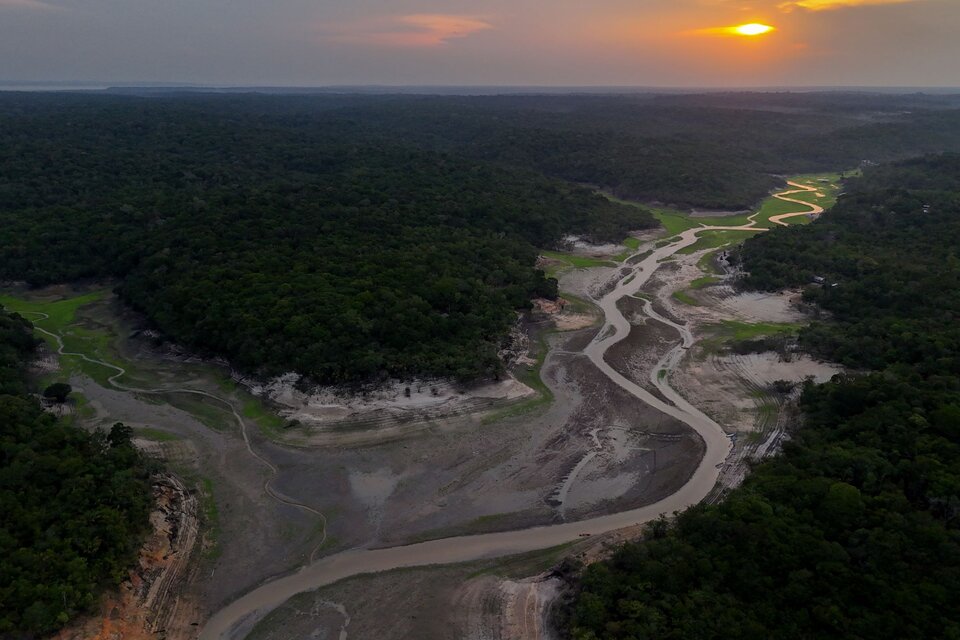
(488, 600)
(150, 603)
(456, 474)
(594, 449)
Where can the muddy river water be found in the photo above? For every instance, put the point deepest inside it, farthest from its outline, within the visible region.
(236, 619)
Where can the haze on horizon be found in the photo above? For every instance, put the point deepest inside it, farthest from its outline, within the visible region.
(666, 43)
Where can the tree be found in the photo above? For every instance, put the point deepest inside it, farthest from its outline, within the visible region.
(58, 391)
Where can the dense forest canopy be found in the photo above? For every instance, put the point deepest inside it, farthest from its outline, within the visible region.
(284, 247)
(854, 530)
(889, 246)
(353, 237)
(73, 505)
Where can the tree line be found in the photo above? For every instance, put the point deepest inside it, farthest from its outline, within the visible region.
(74, 505)
(853, 531)
(284, 247)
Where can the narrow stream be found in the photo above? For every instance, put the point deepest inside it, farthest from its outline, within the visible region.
(234, 620)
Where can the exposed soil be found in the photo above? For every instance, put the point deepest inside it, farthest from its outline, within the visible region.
(487, 600)
(392, 468)
(151, 604)
(461, 474)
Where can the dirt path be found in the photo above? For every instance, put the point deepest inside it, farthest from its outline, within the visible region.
(814, 209)
(120, 371)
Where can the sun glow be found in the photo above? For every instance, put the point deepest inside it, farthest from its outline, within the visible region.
(752, 29)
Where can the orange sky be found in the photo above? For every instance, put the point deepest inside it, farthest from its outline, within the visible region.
(528, 42)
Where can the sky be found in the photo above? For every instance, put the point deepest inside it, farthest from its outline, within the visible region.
(649, 43)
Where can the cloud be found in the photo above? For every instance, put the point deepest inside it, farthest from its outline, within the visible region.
(417, 30)
(826, 5)
(33, 5)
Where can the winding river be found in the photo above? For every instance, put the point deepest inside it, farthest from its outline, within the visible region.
(237, 617)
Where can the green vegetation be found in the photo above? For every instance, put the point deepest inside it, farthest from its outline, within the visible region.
(350, 238)
(530, 376)
(746, 337)
(578, 262)
(774, 207)
(632, 244)
(58, 392)
(878, 249)
(294, 247)
(700, 283)
(686, 298)
(73, 504)
(827, 186)
(66, 319)
(854, 530)
(211, 519)
(674, 221)
(269, 421)
(684, 295)
(708, 263)
(736, 330)
(59, 316)
(715, 239)
(53, 315)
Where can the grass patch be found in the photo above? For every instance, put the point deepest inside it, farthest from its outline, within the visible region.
(578, 262)
(733, 220)
(529, 376)
(211, 519)
(775, 207)
(685, 298)
(708, 264)
(632, 244)
(579, 305)
(267, 420)
(96, 340)
(208, 411)
(674, 221)
(700, 283)
(766, 414)
(666, 241)
(61, 312)
(722, 334)
(62, 320)
(640, 257)
(714, 239)
(736, 330)
(826, 184)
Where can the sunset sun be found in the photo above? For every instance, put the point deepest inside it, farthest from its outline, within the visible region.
(752, 29)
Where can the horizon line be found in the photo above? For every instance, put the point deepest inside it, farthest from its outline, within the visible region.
(149, 84)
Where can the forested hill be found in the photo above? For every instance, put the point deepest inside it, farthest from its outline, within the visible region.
(353, 237)
(854, 530)
(700, 151)
(889, 247)
(73, 505)
(282, 246)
